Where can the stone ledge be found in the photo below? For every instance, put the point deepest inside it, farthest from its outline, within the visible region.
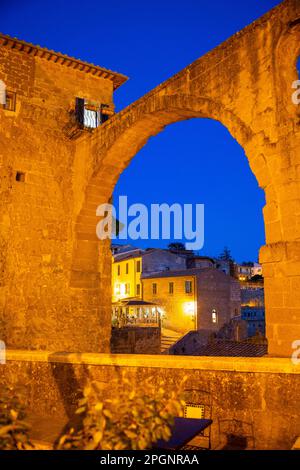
(269, 365)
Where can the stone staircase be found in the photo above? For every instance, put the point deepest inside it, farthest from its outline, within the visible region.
(168, 338)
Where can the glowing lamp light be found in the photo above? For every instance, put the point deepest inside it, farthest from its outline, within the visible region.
(189, 308)
(122, 290)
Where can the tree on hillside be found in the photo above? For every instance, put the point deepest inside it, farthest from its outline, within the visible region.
(226, 255)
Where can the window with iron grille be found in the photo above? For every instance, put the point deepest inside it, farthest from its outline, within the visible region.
(154, 289)
(91, 115)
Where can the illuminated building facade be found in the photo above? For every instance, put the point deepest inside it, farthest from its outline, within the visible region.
(194, 299)
(126, 276)
(187, 299)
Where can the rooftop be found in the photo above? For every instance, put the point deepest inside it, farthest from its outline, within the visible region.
(182, 273)
(126, 255)
(223, 348)
(132, 303)
(13, 43)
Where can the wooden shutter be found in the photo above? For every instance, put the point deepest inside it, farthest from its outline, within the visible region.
(79, 110)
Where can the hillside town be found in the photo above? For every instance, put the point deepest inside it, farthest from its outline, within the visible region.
(173, 301)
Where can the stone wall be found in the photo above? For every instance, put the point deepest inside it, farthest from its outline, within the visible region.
(135, 340)
(38, 306)
(257, 395)
(218, 291)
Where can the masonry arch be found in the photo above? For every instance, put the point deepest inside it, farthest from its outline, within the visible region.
(195, 160)
(140, 123)
(92, 258)
(124, 135)
(246, 84)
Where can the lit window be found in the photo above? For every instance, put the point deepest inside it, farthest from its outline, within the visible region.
(127, 288)
(188, 287)
(171, 287)
(90, 114)
(189, 308)
(154, 289)
(214, 316)
(122, 290)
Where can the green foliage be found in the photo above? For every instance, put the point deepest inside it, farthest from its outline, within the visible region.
(133, 418)
(13, 429)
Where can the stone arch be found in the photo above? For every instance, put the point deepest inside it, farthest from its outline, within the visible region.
(124, 136)
(245, 84)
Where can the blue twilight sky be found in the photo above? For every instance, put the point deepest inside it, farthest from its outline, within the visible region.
(194, 161)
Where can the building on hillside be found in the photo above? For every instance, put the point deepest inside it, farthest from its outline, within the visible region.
(176, 294)
(188, 292)
(193, 299)
(200, 262)
(128, 264)
(253, 307)
(118, 249)
(225, 266)
(255, 319)
(126, 275)
(252, 294)
(158, 260)
(243, 272)
(257, 270)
